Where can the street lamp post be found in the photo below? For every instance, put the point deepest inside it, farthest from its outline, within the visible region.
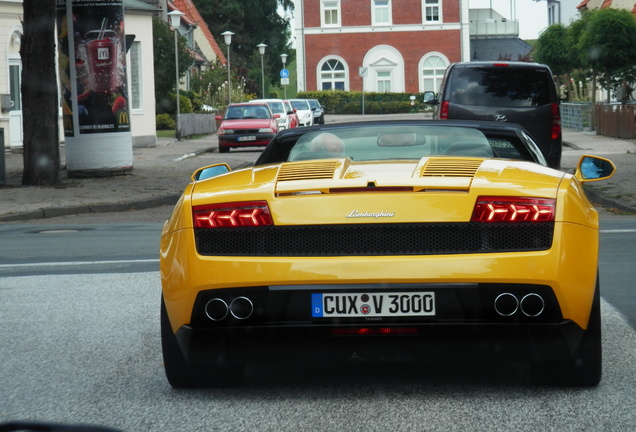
(283, 57)
(228, 41)
(261, 50)
(175, 23)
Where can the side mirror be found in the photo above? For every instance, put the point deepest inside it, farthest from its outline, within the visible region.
(429, 98)
(210, 171)
(276, 116)
(594, 168)
(218, 117)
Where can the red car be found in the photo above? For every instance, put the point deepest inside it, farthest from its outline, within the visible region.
(246, 125)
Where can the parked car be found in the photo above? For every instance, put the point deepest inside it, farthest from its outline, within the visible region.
(515, 92)
(291, 112)
(277, 106)
(246, 125)
(318, 110)
(305, 116)
(385, 240)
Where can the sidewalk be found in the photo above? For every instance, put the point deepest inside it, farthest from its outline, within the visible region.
(161, 172)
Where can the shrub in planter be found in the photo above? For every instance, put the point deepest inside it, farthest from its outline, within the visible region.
(165, 122)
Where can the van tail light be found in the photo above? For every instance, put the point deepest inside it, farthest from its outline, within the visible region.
(556, 121)
(443, 110)
(513, 209)
(236, 214)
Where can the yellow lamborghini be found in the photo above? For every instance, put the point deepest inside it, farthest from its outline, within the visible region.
(377, 239)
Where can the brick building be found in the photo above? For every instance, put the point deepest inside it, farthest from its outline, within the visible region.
(397, 45)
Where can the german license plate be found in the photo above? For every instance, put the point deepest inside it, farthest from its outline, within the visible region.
(394, 304)
(247, 138)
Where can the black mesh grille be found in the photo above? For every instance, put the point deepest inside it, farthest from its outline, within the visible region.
(374, 239)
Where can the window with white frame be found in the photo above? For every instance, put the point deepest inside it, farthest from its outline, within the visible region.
(333, 75)
(381, 12)
(432, 11)
(433, 69)
(136, 92)
(330, 12)
(384, 81)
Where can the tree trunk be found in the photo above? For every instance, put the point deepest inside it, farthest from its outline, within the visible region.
(40, 105)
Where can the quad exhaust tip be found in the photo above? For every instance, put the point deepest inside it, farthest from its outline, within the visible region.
(531, 305)
(240, 308)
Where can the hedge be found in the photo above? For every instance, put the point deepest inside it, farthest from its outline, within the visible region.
(341, 102)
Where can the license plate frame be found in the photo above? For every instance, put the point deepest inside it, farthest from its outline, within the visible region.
(373, 304)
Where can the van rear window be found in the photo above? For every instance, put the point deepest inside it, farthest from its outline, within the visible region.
(500, 86)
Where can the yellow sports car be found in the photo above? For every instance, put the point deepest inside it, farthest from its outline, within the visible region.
(416, 239)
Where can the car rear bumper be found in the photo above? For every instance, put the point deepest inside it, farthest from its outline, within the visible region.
(302, 344)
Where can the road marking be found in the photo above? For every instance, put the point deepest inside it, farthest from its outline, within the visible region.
(76, 263)
(618, 231)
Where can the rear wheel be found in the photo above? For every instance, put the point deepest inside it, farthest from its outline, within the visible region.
(585, 368)
(182, 374)
(223, 149)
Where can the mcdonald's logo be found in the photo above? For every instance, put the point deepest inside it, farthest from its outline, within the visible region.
(123, 118)
(68, 122)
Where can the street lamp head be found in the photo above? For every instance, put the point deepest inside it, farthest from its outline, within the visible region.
(228, 37)
(283, 57)
(261, 48)
(175, 18)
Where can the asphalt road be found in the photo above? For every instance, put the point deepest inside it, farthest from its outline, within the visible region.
(85, 349)
(80, 344)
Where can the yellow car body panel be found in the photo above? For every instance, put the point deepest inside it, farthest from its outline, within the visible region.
(184, 273)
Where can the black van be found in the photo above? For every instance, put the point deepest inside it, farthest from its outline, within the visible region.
(516, 92)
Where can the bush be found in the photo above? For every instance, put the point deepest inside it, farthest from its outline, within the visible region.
(341, 102)
(165, 122)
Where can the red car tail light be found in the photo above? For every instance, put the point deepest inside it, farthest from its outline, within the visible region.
(513, 209)
(237, 214)
(556, 121)
(443, 110)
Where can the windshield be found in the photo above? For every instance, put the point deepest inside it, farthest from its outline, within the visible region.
(300, 104)
(385, 143)
(250, 111)
(378, 142)
(276, 107)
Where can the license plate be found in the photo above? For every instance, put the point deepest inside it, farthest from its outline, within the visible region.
(394, 304)
(247, 138)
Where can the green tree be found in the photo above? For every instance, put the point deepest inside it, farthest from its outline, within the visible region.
(608, 45)
(39, 95)
(164, 63)
(552, 49)
(253, 22)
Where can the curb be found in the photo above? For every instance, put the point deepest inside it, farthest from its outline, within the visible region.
(51, 212)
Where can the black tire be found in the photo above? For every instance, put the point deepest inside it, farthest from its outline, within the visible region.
(585, 368)
(224, 149)
(181, 374)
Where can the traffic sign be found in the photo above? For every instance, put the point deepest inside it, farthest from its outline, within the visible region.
(284, 73)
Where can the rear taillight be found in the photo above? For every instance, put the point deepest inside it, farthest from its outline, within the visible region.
(237, 214)
(556, 121)
(513, 209)
(443, 110)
